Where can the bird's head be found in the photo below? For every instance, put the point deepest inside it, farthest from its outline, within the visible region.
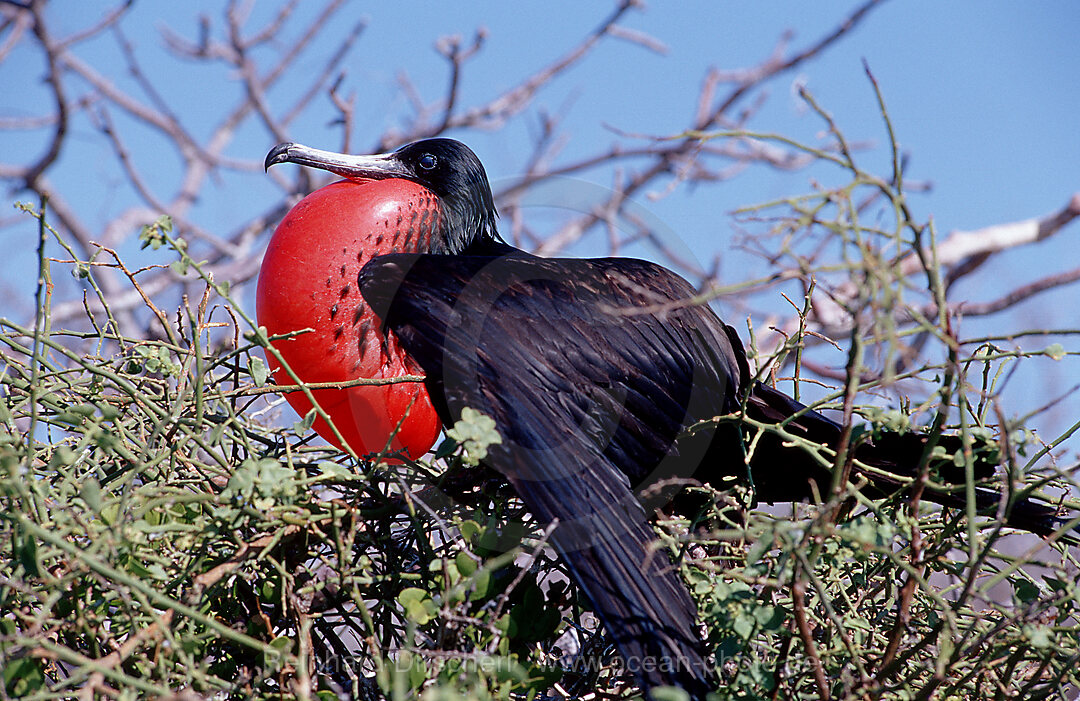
(447, 168)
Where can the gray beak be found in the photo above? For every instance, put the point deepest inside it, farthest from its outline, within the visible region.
(377, 167)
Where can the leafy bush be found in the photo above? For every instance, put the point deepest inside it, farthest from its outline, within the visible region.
(167, 536)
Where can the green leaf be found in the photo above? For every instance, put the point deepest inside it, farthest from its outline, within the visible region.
(469, 530)
(758, 550)
(1038, 635)
(768, 617)
(482, 584)
(108, 411)
(153, 235)
(258, 370)
(260, 336)
(63, 456)
(1055, 583)
(281, 643)
(86, 410)
(27, 555)
(744, 626)
(446, 448)
(475, 432)
(276, 661)
(465, 564)
(1025, 591)
(23, 676)
(268, 592)
(419, 608)
(304, 425)
(417, 670)
(1055, 351)
(149, 237)
(334, 470)
(241, 481)
(91, 494)
(669, 693)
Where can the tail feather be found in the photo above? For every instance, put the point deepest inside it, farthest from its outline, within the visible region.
(642, 603)
(785, 473)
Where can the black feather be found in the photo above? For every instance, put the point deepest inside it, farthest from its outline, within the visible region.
(593, 370)
(583, 406)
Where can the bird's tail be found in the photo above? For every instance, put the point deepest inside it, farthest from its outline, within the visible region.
(785, 473)
(643, 604)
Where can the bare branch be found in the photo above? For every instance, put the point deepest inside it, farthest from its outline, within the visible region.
(963, 252)
(111, 18)
(52, 152)
(514, 100)
(639, 38)
(107, 89)
(450, 48)
(123, 156)
(960, 254)
(18, 22)
(666, 159)
(320, 81)
(1016, 296)
(347, 108)
(271, 30)
(777, 64)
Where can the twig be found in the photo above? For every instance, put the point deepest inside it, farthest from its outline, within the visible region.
(798, 597)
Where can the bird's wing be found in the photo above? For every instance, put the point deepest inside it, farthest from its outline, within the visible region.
(589, 369)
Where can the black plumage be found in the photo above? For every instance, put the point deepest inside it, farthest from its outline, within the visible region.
(593, 370)
(581, 415)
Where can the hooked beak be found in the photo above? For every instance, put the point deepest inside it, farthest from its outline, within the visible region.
(377, 167)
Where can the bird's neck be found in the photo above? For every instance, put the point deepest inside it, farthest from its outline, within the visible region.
(489, 246)
(467, 223)
(469, 239)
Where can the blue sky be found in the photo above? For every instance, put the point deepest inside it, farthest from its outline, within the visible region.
(985, 98)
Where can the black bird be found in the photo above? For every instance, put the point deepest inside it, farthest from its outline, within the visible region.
(593, 370)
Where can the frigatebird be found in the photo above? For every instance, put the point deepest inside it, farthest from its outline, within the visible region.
(603, 377)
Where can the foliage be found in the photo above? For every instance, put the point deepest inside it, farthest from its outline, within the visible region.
(164, 535)
(475, 432)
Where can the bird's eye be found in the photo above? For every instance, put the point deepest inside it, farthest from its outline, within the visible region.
(427, 161)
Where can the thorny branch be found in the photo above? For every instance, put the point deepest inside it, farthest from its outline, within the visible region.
(960, 254)
(106, 104)
(641, 163)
